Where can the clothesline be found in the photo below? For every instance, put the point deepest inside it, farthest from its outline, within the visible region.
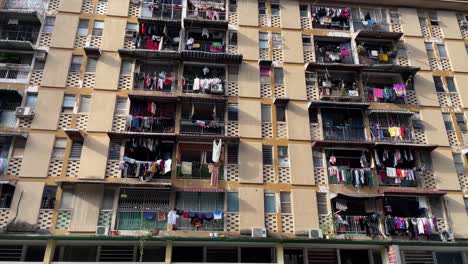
(412, 226)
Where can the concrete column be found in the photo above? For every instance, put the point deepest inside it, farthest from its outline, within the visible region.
(393, 253)
(49, 252)
(168, 252)
(279, 253)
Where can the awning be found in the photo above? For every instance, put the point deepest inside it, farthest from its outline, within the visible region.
(318, 103)
(22, 15)
(122, 182)
(410, 191)
(341, 143)
(92, 51)
(360, 195)
(379, 34)
(191, 97)
(75, 133)
(16, 45)
(264, 62)
(161, 21)
(150, 54)
(390, 68)
(114, 135)
(205, 23)
(225, 58)
(13, 134)
(415, 146)
(207, 138)
(200, 190)
(311, 66)
(391, 111)
(153, 95)
(281, 100)
(10, 95)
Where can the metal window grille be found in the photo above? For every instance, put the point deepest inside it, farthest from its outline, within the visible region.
(76, 148)
(267, 152)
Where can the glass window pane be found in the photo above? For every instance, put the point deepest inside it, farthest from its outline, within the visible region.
(69, 101)
(85, 104)
(442, 51)
(31, 101)
(451, 84)
(108, 199)
(266, 113)
(67, 199)
(91, 65)
(270, 203)
(438, 84)
(279, 75)
(233, 202)
(126, 67)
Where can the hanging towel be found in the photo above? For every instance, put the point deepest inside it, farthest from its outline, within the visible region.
(216, 150)
(391, 172)
(214, 170)
(341, 204)
(377, 92)
(149, 215)
(217, 215)
(172, 217)
(167, 166)
(400, 90)
(196, 84)
(161, 216)
(186, 168)
(205, 33)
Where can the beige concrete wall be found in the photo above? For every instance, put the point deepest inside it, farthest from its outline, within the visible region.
(300, 160)
(248, 43)
(251, 208)
(26, 202)
(48, 108)
(457, 214)
(250, 162)
(409, 21)
(417, 53)
(425, 89)
(444, 170)
(56, 68)
(248, 12)
(449, 24)
(293, 50)
(250, 119)
(457, 54)
(297, 115)
(107, 71)
(294, 78)
(249, 80)
(118, 7)
(434, 127)
(86, 205)
(114, 33)
(461, 81)
(64, 33)
(71, 6)
(37, 155)
(94, 157)
(102, 111)
(290, 17)
(304, 209)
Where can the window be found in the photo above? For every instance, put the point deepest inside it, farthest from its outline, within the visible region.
(48, 197)
(85, 103)
(318, 159)
(267, 153)
(313, 116)
(448, 121)
(461, 122)
(441, 50)
(98, 28)
(67, 199)
(275, 9)
(233, 38)
(6, 195)
(306, 40)
(108, 199)
(264, 40)
(304, 10)
(459, 166)
(132, 27)
(233, 202)
(434, 18)
(31, 100)
(114, 151)
(58, 151)
(76, 63)
(270, 203)
(279, 75)
(233, 154)
(83, 26)
(430, 50)
(76, 148)
(233, 73)
(233, 112)
(49, 24)
(439, 86)
(261, 8)
(285, 199)
(18, 150)
(280, 113)
(266, 113)
(283, 160)
(425, 159)
(451, 84)
(68, 103)
(39, 65)
(200, 201)
(126, 67)
(322, 207)
(121, 106)
(276, 40)
(91, 64)
(264, 74)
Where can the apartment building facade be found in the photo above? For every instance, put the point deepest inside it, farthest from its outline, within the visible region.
(270, 131)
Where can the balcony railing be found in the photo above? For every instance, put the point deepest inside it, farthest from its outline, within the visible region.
(344, 93)
(405, 182)
(380, 59)
(141, 83)
(207, 86)
(30, 36)
(206, 46)
(198, 171)
(202, 127)
(344, 133)
(12, 75)
(382, 96)
(162, 11)
(152, 125)
(136, 220)
(327, 57)
(186, 224)
(7, 118)
(206, 15)
(350, 224)
(384, 134)
(364, 25)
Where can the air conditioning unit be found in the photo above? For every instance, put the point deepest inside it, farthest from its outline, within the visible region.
(446, 236)
(130, 33)
(315, 233)
(259, 232)
(23, 112)
(102, 230)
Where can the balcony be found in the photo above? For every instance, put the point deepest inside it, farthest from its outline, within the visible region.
(372, 52)
(336, 22)
(162, 11)
(10, 99)
(366, 19)
(203, 127)
(204, 80)
(11, 37)
(345, 125)
(203, 118)
(386, 87)
(151, 117)
(350, 224)
(156, 77)
(333, 51)
(196, 171)
(208, 45)
(338, 86)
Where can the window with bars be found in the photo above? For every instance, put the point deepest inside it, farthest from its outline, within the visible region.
(270, 203)
(459, 164)
(461, 122)
(91, 65)
(276, 40)
(49, 24)
(439, 85)
(266, 113)
(66, 202)
(98, 27)
(233, 112)
(108, 199)
(322, 207)
(267, 154)
(310, 78)
(313, 115)
(306, 40)
(280, 113)
(58, 152)
(76, 63)
(48, 197)
(262, 8)
(200, 201)
(448, 121)
(275, 9)
(233, 154)
(434, 18)
(76, 148)
(114, 151)
(317, 159)
(126, 67)
(430, 50)
(85, 104)
(264, 38)
(304, 10)
(31, 99)
(68, 103)
(265, 75)
(278, 75)
(83, 27)
(232, 40)
(451, 87)
(285, 199)
(441, 50)
(121, 106)
(233, 202)
(283, 158)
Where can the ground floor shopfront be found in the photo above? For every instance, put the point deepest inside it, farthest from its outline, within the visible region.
(91, 249)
